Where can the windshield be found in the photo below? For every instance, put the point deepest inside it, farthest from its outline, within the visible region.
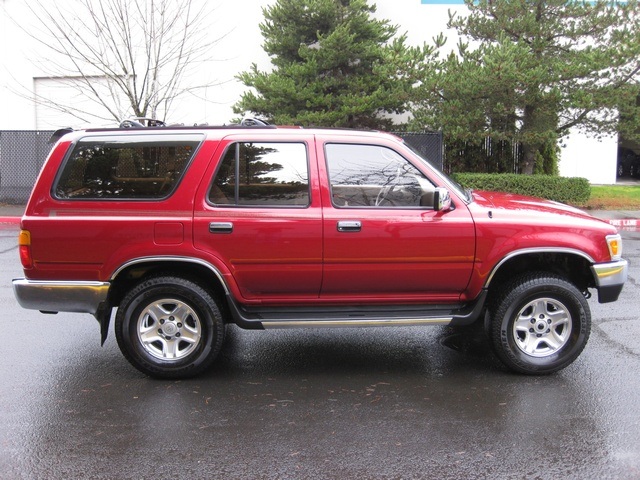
(451, 183)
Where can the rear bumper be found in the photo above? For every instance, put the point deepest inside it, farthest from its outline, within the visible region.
(610, 278)
(53, 297)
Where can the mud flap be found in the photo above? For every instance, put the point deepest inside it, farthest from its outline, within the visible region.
(103, 315)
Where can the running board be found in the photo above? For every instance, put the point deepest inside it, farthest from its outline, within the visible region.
(333, 317)
(356, 322)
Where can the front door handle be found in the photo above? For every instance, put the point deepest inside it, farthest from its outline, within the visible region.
(349, 226)
(220, 227)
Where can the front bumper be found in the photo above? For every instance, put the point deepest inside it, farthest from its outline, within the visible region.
(53, 297)
(610, 278)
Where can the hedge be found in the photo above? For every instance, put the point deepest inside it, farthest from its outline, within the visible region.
(573, 191)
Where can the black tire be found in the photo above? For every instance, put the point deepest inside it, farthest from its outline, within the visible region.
(539, 324)
(169, 327)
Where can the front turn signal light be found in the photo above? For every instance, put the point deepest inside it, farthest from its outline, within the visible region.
(24, 244)
(614, 242)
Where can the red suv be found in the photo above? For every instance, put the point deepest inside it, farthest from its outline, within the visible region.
(183, 230)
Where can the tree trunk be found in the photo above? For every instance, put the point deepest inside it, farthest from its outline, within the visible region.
(528, 159)
(538, 120)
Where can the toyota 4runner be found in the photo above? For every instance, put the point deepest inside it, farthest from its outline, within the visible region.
(182, 230)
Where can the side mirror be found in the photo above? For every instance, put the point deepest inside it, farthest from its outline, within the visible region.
(441, 200)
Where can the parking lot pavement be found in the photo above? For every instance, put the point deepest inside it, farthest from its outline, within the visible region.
(629, 219)
(410, 403)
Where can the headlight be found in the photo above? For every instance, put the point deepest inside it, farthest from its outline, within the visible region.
(614, 242)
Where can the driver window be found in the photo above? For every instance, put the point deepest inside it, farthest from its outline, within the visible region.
(374, 176)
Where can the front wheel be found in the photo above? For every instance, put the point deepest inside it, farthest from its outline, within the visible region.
(539, 324)
(169, 327)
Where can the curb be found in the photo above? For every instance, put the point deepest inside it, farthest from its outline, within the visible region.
(625, 222)
(10, 220)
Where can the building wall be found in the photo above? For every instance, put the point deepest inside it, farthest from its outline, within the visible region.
(240, 46)
(587, 157)
(16, 71)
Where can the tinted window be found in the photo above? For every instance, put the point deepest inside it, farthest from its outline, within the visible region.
(374, 176)
(127, 167)
(262, 174)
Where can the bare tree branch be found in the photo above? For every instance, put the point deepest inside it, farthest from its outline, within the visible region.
(130, 57)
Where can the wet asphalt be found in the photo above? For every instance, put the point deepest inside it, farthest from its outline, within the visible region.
(405, 403)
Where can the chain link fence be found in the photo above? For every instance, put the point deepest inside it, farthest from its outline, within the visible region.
(22, 153)
(428, 144)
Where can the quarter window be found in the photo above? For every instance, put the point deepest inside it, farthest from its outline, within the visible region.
(131, 167)
(262, 174)
(375, 176)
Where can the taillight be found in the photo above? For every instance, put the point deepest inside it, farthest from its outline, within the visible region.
(24, 244)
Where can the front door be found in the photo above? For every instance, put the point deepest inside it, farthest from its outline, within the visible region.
(382, 238)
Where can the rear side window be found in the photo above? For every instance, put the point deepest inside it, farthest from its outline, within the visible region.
(126, 167)
(262, 175)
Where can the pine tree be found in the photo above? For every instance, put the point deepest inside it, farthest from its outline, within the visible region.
(537, 69)
(333, 65)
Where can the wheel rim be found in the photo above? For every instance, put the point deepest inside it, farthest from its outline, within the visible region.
(169, 329)
(542, 327)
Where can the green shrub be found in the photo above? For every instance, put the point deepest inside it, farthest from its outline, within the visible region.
(574, 191)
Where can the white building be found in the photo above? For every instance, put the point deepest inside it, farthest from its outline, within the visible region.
(21, 77)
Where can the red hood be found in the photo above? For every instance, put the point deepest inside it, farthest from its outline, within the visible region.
(528, 205)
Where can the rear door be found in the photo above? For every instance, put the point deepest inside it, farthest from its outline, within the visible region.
(383, 241)
(257, 216)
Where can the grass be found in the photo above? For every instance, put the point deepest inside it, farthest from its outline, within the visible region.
(614, 197)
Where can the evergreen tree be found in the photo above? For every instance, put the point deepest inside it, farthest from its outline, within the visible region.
(537, 69)
(333, 65)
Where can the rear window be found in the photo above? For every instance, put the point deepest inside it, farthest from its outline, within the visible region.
(126, 167)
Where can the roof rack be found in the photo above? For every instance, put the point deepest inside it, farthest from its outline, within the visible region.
(144, 122)
(253, 122)
(141, 122)
(58, 134)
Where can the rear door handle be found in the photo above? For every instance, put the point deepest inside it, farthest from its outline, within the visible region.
(349, 226)
(220, 227)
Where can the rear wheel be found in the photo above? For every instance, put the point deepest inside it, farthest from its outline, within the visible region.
(169, 327)
(540, 324)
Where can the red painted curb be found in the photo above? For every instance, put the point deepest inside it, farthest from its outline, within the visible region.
(624, 222)
(10, 220)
